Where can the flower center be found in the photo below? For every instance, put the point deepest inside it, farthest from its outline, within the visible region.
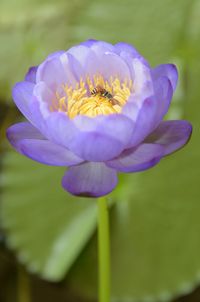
(93, 97)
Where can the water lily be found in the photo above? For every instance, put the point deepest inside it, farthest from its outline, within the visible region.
(97, 109)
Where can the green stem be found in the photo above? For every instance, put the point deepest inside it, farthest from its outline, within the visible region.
(103, 250)
(23, 285)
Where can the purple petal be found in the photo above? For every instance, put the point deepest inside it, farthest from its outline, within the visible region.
(89, 42)
(98, 58)
(28, 141)
(163, 95)
(45, 98)
(152, 111)
(20, 131)
(90, 180)
(72, 69)
(121, 48)
(167, 70)
(56, 54)
(55, 71)
(80, 53)
(22, 95)
(28, 104)
(93, 139)
(142, 85)
(137, 159)
(31, 74)
(108, 65)
(99, 47)
(79, 57)
(144, 119)
(172, 135)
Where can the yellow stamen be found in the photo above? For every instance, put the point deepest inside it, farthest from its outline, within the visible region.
(88, 99)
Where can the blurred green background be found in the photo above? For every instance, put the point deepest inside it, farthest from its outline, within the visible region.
(48, 248)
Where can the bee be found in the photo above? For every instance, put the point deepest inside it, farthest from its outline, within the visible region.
(99, 90)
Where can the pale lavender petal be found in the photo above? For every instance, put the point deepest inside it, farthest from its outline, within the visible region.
(56, 54)
(172, 135)
(71, 66)
(137, 159)
(124, 48)
(98, 58)
(100, 47)
(61, 129)
(166, 70)
(75, 62)
(90, 180)
(31, 74)
(52, 73)
(80, 53)
(45, 98)
(121, 46)
(108, 65)
(28, 141)
(142, 83)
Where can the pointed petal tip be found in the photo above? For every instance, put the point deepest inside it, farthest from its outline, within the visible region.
(172, 135)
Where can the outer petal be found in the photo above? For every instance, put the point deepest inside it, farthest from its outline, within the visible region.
(31, 74)
(172, 135)
(137, 159)
(93, 139)
(28, 141)
(90, 179)
(22, 95)
(163, 96)
(166, 70)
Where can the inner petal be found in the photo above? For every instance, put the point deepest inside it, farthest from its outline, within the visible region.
(92, 97)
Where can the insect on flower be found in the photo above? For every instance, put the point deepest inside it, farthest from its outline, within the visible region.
(97, 109)
(104, 93)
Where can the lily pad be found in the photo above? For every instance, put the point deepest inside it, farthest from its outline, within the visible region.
(46, 226)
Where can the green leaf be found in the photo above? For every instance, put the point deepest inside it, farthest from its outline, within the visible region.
(46, 226)
(30, 30)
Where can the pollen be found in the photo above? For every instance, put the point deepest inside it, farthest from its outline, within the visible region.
(92, 97)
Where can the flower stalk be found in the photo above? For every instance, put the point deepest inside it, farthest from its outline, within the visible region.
(103, 250)
(23, 287)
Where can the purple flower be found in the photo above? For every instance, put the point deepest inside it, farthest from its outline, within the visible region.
(97, 109)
